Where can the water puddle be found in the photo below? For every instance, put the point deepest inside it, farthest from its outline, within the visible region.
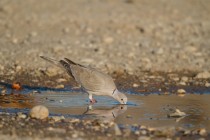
(151, 110)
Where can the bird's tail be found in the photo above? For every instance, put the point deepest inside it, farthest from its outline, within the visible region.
(51, 60)
(61, 63)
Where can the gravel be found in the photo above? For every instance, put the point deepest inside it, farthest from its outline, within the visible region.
(137, 36)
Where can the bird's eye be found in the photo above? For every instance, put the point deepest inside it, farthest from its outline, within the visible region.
(121, 99)
(121, 107)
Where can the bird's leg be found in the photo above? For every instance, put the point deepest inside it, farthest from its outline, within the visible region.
(92, 100)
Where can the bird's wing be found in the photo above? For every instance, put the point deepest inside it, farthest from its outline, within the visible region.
(89, 78)
(93, 80)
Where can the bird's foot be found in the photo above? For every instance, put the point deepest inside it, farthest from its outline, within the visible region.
(92, 101)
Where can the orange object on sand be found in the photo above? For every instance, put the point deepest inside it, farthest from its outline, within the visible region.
(16, 86)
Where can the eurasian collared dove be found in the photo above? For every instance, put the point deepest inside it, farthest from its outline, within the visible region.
(91, 80)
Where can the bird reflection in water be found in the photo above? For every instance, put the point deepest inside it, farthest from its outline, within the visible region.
(105, 114)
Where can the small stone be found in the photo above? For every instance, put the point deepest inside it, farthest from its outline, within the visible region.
(56, 130)
(175, 78)
(60, 86)
(184, 79)
(60, 80)
(18, 68)
(137, 132)
(87, 60)
(191, 49)
(207, 84)
(182, 83)
(143, 132)
(108, 40)
(187, 132)
(14, 40)
(3, 91)
(203, 132)
(57, 49)
(89, 30)
(117, 130)
(75, 135)
(160, 51)
(203, 75)
(135, 85)
(1, 67)
(39, 112)
(181, 91)
(58, 118)
(21, 115)
(108, 135)
(51, 71)
(74, 121)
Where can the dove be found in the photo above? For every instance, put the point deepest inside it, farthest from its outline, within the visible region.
(105, 114)
(93, 81)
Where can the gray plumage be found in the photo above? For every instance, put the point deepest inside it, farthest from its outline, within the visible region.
(92, 81)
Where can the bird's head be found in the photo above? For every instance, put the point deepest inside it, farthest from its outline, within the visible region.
(120, 97)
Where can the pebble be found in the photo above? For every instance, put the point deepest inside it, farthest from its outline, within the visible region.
(57, 49)
(137, 132)
(184, 79)
(207, 84)
(108, 40)
(75, 135)
(181, 91)
(3, 91)
(51, 71)
(175, 79)
(60, 86)
(203, 75)
(57, 130)
(74, 121)
(143, 132)
(60, 80)
(1, 67)
(203, 132)
(18, 68)
(58, 118)
(187, 132)
(160, 51)
(135, 85)
(39, 112)
(182, 83)
(21, 115)
(14, 40)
